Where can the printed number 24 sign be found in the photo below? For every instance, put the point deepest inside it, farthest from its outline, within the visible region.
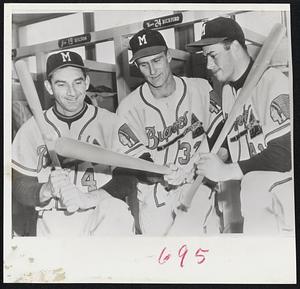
(163, 21)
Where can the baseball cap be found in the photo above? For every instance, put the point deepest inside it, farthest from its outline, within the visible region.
(147, 42)
(219, 29)
(62, 59)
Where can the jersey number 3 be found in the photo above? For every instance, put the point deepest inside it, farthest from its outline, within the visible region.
(186, 148)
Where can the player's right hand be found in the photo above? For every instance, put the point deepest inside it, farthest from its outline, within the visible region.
(178, 176)
(74, 199)
(58, 178)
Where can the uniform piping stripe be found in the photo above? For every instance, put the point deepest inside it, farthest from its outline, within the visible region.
(23, 167)
(52, 124)
(161, 116)
(181, 99)
(177, 109)
(240, 148)
(152, 106)
(88, 122)
(276, 130)
(134, 148)
(213, 123)
(248, 146)
(280, 183)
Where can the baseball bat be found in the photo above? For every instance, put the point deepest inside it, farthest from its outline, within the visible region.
(92, 153)
(260, 64)
(36, 109)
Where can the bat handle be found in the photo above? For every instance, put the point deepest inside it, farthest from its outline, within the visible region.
(72, 208)
(186, 202)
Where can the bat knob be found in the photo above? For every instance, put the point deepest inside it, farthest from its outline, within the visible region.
(72, 208)
(183, 208)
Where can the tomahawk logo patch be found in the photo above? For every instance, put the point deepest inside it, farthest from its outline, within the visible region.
(280, 108)
(126, 136)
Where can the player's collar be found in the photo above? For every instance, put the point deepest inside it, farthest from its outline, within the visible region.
(240, 82)
(175, 96)
(70, 119)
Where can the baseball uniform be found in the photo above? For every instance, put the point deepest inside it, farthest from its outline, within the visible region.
(260, 136)
(93, 125)
(173, 128)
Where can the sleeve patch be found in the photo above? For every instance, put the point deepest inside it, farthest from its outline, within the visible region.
(280, 108)
(126, 136)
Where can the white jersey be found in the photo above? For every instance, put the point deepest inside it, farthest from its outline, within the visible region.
(92, 125)
(266, 196)
(264, 117)
(172, 128)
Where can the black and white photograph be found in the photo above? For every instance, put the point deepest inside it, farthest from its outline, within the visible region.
(148, 143)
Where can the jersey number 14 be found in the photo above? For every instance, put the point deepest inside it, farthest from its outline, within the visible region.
(88, 179)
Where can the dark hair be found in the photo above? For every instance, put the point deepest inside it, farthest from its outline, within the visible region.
(227, 43)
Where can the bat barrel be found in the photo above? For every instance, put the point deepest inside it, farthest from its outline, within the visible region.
(92, 153)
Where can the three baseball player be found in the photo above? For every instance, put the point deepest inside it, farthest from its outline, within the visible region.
(173, 118)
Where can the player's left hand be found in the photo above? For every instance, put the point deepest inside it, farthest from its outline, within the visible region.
(211, 166)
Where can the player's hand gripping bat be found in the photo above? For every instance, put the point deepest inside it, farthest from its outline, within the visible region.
(36, 109)
(260, 64)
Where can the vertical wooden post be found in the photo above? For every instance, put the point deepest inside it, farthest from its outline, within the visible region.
(122, 66)
(184, 35)
(15, 38)
(89, 26)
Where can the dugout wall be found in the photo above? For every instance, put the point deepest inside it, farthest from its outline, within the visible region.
(123, 77)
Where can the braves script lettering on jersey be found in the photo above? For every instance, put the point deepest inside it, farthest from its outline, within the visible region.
(174, 129)
(265, 117)
(93, 125)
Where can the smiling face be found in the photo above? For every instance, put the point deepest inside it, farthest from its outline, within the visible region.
(68, 85)
(155, 68)
(220, 61)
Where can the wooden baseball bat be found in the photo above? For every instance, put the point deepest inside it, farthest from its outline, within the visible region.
(260, 64)
(92, 153)
(36, 109)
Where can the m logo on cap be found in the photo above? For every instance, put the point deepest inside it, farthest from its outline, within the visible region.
(142, 40)
(66, 56)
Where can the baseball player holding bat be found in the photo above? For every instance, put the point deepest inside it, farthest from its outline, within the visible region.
(260, 140)
(71, 200)
(171, 116)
